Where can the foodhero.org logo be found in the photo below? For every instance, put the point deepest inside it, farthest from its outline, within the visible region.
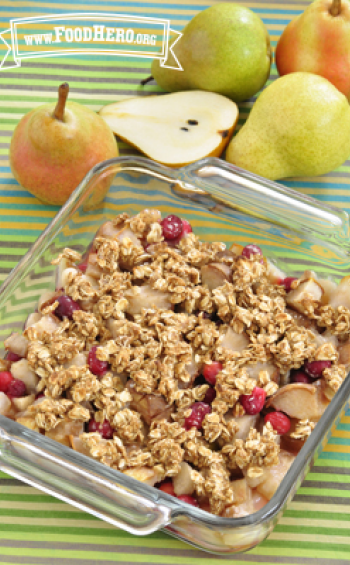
(96, 33)
(108, 34)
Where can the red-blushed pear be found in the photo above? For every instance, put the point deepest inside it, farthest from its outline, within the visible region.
(318, 41)
(53, 147)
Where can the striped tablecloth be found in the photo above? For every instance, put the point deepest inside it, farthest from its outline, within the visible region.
(37, 529)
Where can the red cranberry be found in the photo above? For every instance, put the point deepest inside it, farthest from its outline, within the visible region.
(188, 499)
(186, 228)
(167, 486)
(253, 403)
(97, 367)
(199, 412)
(315, 368)
(16, 389)
(300, 377)
(287, 283)
(13, 357)
(250, 250)
(172, 227)
(209, 395)
(211, 370)
(83, 265)
(5, 379)
(66, 307)
(279, 421)
(104, 429)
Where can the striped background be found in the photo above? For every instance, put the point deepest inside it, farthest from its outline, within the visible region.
(37, 529)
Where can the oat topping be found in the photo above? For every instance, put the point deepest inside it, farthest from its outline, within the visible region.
(121, 373)
(70, 255)
(255, 453)
(303, 429)
(215, 427)
(297, 346)
(333, 379)
(326, 352)
(336, 320)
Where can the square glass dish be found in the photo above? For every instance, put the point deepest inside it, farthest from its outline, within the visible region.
(222, 203)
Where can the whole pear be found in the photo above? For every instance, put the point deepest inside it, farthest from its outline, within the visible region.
(224, 49)
(299, 126)
(318, 41)
(53, 147)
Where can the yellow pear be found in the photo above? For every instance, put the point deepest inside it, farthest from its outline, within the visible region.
(299, 126)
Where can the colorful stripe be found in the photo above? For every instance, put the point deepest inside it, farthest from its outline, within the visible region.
(39, 530)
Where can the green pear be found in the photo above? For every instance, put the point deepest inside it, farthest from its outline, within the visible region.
(299, 126)
(224, 49)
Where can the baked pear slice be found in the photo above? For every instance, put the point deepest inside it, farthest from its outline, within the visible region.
(300, 400)
(174, 129)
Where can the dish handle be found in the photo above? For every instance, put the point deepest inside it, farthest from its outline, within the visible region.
(211, 181)
(71, 477)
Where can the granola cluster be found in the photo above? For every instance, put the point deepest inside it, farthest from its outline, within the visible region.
(119, 373)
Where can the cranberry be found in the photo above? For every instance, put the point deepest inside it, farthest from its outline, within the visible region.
(13, 357)
(287, 283)
(314, 369)
(5, 379)
(167, 486)
(199, 412)
(253, 403)
(209, 395)
(188, 499)
(104, 429)
(66, 307)
(300, 377)
(16, 388)
(96, 366)
(172, 227)
(211, 370)
(250, 250)
(279, 421)
(186, 228)
(83, 265)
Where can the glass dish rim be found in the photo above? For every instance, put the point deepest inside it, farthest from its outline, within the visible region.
(176, 506)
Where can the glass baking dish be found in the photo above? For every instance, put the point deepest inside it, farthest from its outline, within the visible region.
(223, 203)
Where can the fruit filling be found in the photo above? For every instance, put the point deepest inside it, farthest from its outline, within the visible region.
(194, 368)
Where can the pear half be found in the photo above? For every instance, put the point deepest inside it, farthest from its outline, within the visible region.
(174, 129)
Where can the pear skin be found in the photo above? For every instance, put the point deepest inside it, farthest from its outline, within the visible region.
(299, 126)
(50, 156)
(224, 49)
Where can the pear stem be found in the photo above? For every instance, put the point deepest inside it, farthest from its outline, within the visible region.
(146, 80)
(63, 91)
(335, 8)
